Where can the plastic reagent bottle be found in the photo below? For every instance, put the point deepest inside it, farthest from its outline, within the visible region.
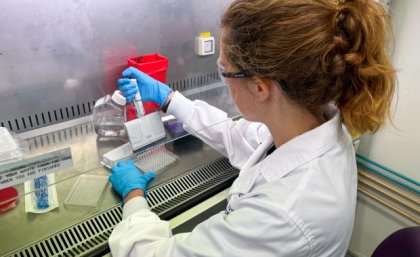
(109, 115)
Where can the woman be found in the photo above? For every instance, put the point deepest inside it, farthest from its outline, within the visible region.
(303, 73)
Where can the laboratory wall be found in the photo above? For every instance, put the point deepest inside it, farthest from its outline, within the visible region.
(58, 57)
(397, 145)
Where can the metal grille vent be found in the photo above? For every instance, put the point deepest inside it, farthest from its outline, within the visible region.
(165, 199)
(48, 118)
(91, 236)
(194, 82)
(60, 136)
(42, 119)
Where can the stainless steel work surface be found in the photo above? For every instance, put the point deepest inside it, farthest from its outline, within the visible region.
(19, 228)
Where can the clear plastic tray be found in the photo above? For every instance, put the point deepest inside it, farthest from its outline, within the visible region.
(123, 152)
(87, 191)
(155, 159)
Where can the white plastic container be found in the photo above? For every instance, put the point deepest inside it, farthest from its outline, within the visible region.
(109, 115)
(9, 150)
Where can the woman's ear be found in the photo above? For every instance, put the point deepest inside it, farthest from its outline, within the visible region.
(261, 88)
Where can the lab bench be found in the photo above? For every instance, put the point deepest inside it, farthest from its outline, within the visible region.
(198, 174)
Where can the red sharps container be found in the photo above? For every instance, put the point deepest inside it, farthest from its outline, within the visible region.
(154, 65)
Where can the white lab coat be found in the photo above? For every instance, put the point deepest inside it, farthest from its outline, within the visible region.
(298, 201)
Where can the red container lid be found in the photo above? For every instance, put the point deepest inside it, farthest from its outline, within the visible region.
(8, 199)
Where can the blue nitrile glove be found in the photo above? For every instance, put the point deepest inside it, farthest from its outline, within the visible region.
(126, 177)
(151, 90)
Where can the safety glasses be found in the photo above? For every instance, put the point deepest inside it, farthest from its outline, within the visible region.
(223, 74)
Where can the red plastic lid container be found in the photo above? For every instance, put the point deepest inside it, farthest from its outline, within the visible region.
(8, 199)
(154, 65)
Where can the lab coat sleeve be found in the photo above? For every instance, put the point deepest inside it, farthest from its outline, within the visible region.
(254, 229)
(236, 140)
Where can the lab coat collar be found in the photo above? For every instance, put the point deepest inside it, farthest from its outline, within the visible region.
(289, 156)
(250, 171)
(302, 148)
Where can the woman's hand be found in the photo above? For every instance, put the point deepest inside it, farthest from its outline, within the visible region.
(151, 90)
(126, 177)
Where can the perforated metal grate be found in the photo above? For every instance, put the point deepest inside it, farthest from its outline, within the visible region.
(194, 82)
(60, 136)
(91, 236)
(42, 119)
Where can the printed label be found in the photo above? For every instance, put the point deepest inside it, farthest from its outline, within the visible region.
(20, 171)
(205, 34)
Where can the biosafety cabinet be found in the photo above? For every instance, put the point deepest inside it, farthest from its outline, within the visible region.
(56, 60)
